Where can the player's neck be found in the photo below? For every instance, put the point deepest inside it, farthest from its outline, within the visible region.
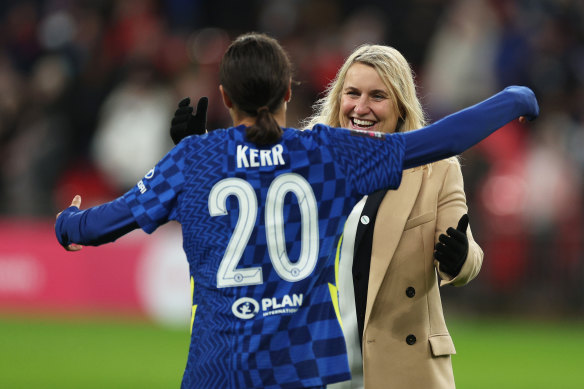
(239, 118)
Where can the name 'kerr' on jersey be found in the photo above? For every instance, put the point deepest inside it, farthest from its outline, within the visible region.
(251, 157)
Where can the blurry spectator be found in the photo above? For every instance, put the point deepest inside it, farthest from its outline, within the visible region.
(136, 31)
(132, 131)
(39, 148)
(459, 66)
(553, 219)
(11, 96)
(19, 35)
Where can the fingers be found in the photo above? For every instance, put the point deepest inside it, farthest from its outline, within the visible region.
(448, 258)
(451, 249)
(455, 238)
(463, 223)
(183, 112)
(444, 239)
(184, 123)
(177, 121)
(180, 120)
(439, 249)
(202, 106)
(73, 247)
(76, 201)
(199, 123)
(455, 242)
(184, 102)
(444, 249)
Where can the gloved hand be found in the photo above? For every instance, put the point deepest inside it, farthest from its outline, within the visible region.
(452, 249)
(184, 123)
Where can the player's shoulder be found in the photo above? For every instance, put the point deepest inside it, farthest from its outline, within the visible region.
(209, 136)
(303, 132)
(317, 136)
(291, 134)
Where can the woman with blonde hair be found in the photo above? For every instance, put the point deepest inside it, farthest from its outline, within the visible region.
(395, 242)
(396, 75)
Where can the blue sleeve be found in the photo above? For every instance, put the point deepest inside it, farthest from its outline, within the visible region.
(457, 132)
(95, 226)
(369, 160)
(153, 200)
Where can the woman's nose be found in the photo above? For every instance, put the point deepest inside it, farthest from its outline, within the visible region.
(361, 106)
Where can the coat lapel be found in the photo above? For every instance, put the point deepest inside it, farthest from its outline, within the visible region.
(392, 216)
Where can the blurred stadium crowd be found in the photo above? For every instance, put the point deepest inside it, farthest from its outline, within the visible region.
(88, 88)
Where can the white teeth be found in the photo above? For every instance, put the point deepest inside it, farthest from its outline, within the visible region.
(364, 123)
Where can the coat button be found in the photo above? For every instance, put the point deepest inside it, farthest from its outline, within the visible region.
(365, 219)
(410, 339)
(410, 292)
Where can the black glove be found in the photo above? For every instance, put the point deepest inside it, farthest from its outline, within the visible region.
(184, 123)
(452, 249)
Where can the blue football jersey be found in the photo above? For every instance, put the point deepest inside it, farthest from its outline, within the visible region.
(261, 227)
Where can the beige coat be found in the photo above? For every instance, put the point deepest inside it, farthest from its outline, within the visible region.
(408, 224)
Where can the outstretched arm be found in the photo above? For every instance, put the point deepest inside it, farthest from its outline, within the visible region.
(94, 226)
(457, 132)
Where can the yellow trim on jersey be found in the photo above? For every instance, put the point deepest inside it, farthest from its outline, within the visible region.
(194, 306)
(333, 289)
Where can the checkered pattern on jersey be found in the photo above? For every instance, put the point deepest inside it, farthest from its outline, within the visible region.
(204, 243)
(300, 345)
(371, 160)
(271, 353)
(153, 198)
(293, 350)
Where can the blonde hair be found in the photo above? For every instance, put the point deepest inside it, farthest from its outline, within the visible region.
(396, 74)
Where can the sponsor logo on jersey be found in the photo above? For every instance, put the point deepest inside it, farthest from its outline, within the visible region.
(141, 185)
(150, 174)
(287, 304)
(247, 308)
